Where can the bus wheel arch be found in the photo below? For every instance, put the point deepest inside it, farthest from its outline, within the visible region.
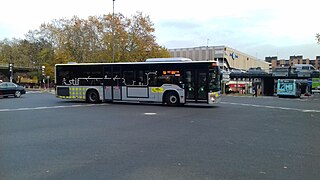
(92, 96)
(171, 98)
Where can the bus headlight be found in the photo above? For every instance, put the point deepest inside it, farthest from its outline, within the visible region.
(213, 96)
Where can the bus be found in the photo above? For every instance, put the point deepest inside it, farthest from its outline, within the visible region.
(169, 81)
(288, 87)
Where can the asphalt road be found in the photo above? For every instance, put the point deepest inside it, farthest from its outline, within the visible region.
(42, 137)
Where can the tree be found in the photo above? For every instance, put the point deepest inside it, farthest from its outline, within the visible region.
(84, 40)
(318, 37)
(91, 40)
(6, 51)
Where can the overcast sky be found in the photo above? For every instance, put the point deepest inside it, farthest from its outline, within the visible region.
(257, 27)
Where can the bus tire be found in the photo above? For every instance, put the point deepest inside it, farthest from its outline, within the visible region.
(92, 96)
(172, 99)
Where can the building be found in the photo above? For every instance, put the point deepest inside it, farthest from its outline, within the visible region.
(275, 62)
(231, 58)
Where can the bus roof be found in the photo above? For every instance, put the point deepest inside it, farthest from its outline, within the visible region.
(149, 62)
(168, 60)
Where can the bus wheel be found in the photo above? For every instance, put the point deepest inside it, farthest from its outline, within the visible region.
(92, 96)
(172, 99)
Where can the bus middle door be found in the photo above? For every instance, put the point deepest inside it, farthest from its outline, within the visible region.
(117, 83)
(108, 83)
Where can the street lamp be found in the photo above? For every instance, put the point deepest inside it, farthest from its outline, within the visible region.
(113, 31)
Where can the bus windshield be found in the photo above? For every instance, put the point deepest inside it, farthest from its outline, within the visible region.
(214, 80)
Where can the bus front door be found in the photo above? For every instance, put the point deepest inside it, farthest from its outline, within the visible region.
(196, 86)
(202, 92)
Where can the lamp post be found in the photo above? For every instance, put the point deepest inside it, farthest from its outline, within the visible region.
(113, 31)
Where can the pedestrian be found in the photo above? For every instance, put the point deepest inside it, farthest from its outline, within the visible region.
(255, 91)
(289, 70)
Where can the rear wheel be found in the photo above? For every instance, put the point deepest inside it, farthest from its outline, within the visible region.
(92, 96)
(172, 99)
(17, 94)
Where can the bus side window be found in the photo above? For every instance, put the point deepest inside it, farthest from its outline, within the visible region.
(128, 78)
(152, 78)
(141, 78)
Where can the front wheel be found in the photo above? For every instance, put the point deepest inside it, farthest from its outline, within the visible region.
(92, 96)
(17, 94)
(172, 99)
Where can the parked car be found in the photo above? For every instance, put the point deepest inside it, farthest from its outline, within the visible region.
(256, 70)
(237, 71)
(11, 89)
(306, 70)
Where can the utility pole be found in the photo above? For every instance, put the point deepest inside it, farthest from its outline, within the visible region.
(113, 31)
(208, 51)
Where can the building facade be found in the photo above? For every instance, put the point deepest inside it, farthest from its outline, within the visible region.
(275, 62)
(229, 57)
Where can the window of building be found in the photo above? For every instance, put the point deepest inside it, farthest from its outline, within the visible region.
(184, 54)
(197, 56)
(304, 61)
(204, 54)
(287, 62)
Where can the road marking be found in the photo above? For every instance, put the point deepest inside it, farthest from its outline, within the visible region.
(150, 114)
(34, 92)
(274, 107)
(50, 107)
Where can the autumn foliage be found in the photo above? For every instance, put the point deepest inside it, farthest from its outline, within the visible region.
(85, 40)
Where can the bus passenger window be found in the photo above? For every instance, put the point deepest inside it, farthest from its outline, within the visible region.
(140, 78)
(128, 79)
(152, 78)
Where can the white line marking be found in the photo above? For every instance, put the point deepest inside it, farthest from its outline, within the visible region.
(150, 114)
(274, 107)
(50, 107)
